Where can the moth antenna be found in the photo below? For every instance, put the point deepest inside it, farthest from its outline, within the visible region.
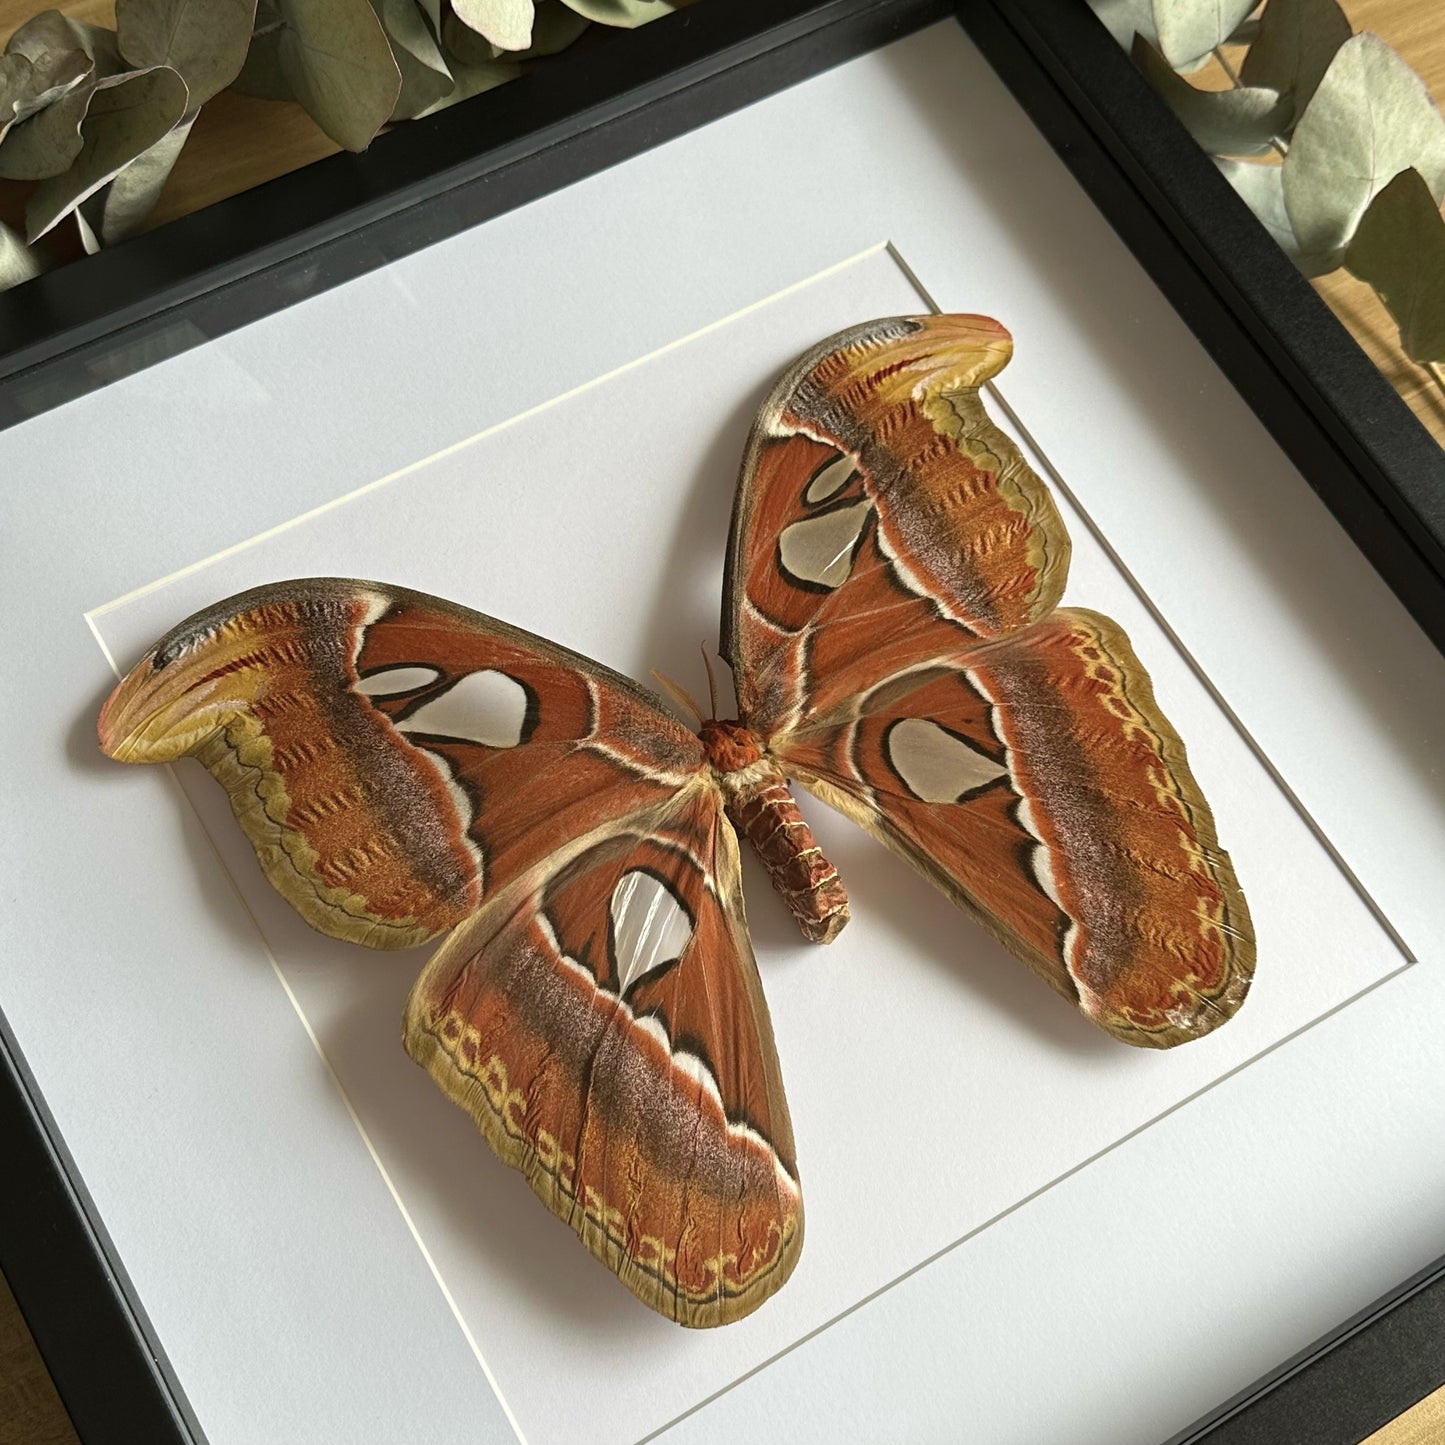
(711, 682)
(679, 694)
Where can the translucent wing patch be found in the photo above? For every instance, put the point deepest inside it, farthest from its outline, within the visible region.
(394, 758)
(1036, 782)
(603, 1023)
(881, 519)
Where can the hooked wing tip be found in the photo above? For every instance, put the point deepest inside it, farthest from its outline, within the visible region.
(148, 717)
(116, 726)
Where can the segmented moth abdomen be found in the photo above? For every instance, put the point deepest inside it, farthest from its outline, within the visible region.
(763, 811)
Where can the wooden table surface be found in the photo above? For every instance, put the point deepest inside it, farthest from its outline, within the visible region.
(239, 142)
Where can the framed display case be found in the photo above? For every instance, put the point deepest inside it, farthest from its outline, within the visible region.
(243, 1213)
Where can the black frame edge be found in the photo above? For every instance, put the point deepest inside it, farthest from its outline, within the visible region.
(96, 1341)
(197, 277)
(1358, 445)
(1352, 437)
(1345, 1386)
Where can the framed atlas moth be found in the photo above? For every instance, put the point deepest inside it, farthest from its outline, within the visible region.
(406, 768)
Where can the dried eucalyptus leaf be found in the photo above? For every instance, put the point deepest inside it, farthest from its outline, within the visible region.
(1190, 29)
(425, 76)
(103, 47)
(338, 62)
(506, 23)
(119, 209)
(1245, 33)
(473, 80)
(407, 26)
(51, 140)
(128, 114)
(626, 14)
(1399, 249)
(422, 86)
(48, 143)
(27, 86)
(47, 59)
(51, 33)
(1297, 41)
(554, 28)
(1124, 19)
(261, 76)
(17, 84)
(1370, 119)
(462, 45)
(1260, 188)
(58, 74)
(89, 241)
(205, 40)
(17, 261)
(1239, 122)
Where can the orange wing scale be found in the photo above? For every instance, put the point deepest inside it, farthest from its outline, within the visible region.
(403, 766)
(894, 570)
(392, 757)
(1035, 780)
(624, 1062)
(881, 518)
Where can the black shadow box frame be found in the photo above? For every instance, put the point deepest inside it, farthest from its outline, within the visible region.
(1347, 1385)
(1342, 425)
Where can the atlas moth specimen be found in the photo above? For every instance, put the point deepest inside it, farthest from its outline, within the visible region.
(406, 768)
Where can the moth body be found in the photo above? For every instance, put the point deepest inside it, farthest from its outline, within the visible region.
(761, 807)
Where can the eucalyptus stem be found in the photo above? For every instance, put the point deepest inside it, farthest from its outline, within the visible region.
(1227, 68)
(1437, 374)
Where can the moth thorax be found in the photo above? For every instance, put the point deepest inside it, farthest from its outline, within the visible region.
(763, 811)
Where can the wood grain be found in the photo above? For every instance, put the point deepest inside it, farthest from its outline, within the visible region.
(1422, 1424)
(30, 1410)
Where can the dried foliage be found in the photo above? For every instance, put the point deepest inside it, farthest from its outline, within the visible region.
(1330, 138)
(97, 117)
